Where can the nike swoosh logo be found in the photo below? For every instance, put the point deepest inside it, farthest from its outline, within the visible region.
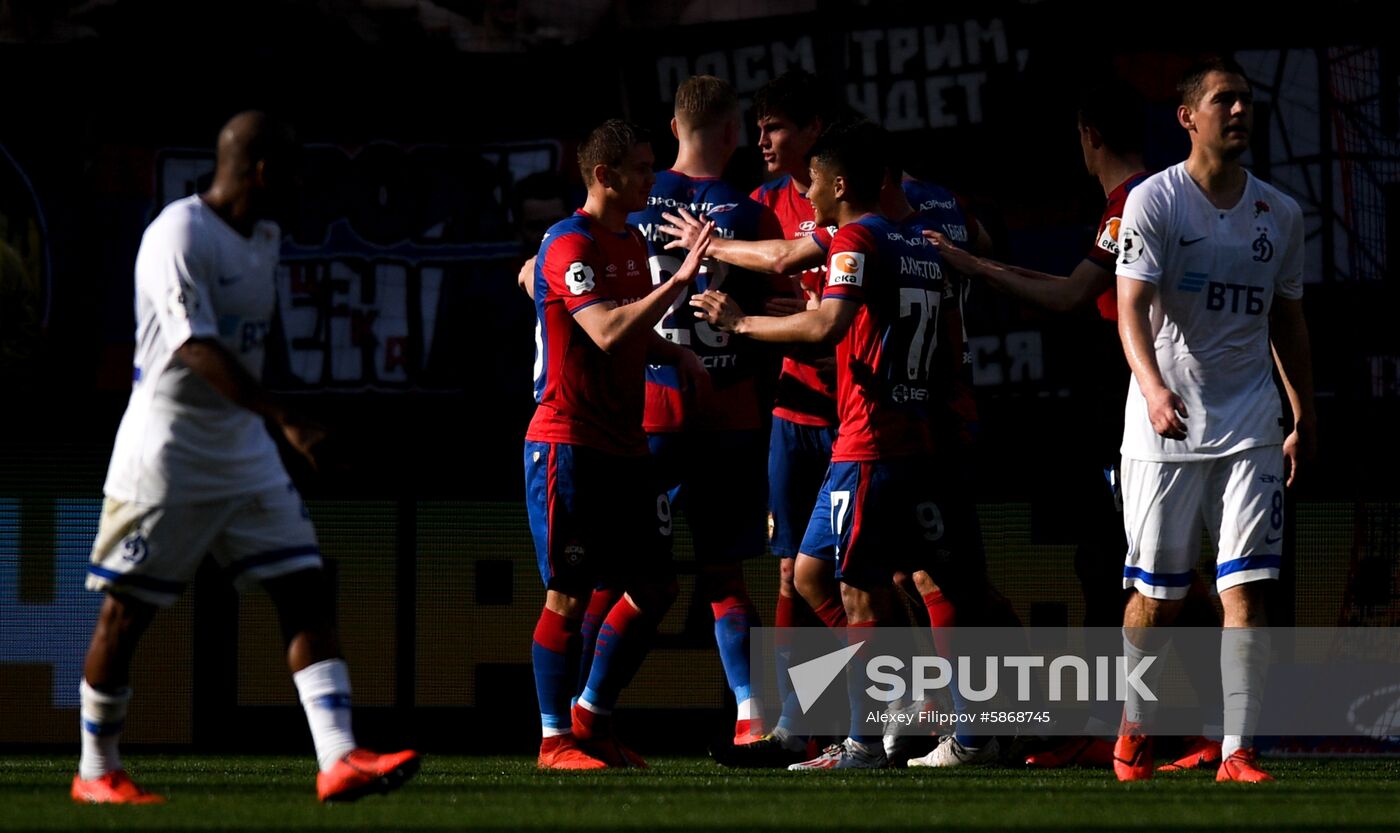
(1184, 242)
(230, 280)
(1273, 540)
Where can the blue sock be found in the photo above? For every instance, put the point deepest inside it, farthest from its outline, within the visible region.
(555, 656)
(862, 704)
(734, 617)
(622, 643)
(598, 606)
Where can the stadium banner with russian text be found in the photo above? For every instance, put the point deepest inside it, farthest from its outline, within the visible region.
(1084, 681)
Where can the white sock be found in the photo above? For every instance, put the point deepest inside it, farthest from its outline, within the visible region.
(1136, 709)
(1244, 659)
(324, 688)
(102, 716)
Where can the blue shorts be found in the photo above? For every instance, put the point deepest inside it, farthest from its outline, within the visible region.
(906, 514)
(717, 479)
(798, 457)
(595, 517)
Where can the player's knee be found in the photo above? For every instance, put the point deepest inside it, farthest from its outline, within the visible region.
(120, 623)
(721, 581)
(924, 583)
(654, 598)
(814, 580)
(787, 578)
(1147, 612)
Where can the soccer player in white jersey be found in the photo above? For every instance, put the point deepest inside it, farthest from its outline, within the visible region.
(194, 469)
(1209, 277)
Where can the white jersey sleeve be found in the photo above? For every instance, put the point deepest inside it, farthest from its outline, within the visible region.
(173, 275)
(1143, 234)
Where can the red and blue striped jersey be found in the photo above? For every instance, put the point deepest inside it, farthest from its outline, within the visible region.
(893, 382)
(802, 396)
(733, 361)
(585, 396)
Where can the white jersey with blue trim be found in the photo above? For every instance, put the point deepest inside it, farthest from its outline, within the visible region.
(1217, 272)
(180, 440)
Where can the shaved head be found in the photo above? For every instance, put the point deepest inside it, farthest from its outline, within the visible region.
(252, 137)
(255, 174)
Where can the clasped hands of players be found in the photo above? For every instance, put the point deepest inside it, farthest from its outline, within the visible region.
(718, 309)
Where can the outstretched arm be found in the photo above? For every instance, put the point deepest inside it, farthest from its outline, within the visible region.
(608, 324)
(1053, 292)
(775, 257)
(827, 323)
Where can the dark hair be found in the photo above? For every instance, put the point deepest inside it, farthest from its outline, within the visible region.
(704, 101)
(796, 94)
(1116, 110)
(859, 151)
(608, 144)
(1193, 81)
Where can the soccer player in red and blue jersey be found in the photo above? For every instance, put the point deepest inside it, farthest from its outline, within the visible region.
(596, 512)
(906, 200)
(888, 501)
(726, 506)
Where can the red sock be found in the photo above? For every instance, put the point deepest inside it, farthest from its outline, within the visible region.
(941, 614)
(832, 613)
(794, 612)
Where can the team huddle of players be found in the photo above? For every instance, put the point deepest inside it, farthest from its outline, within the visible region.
(661, 278)
(659, 303)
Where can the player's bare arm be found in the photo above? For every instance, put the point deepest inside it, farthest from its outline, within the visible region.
(826, 323)
(1165, 409)
(213, 363)
(1288, 334)
(526, 278)
(609, 324)
(1053, 292)
(772, 257)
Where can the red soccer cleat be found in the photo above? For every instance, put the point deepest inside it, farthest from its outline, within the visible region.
(1201, 753)
(1132, 756)
(612, 752)
(1088, 752)
(1240, 766)
(113, 788)
(747, 731)
(563, 752)
(362, 772)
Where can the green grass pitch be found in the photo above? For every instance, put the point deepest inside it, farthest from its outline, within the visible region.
(466, 793)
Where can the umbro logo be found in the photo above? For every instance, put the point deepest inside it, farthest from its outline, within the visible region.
(1184, 242)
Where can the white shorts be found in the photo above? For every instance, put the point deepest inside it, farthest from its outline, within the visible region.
(1239, 499)
(150, 552)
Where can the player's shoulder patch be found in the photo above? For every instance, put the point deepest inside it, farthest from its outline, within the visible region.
(846, 269)
(1108, 235)
(1130, 244)
(579, 278)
